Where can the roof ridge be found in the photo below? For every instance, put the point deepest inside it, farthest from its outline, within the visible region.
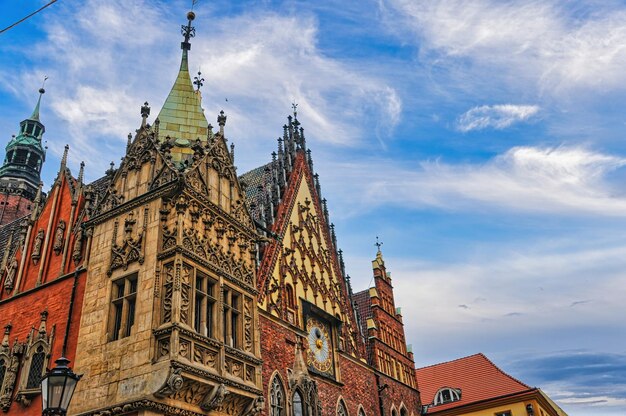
(504, 373)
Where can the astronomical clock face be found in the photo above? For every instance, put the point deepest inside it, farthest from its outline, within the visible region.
(319, 352)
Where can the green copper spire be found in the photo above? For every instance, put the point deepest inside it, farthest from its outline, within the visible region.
(181, 117)
(25, 154)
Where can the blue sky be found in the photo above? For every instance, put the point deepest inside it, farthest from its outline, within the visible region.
(482, 140)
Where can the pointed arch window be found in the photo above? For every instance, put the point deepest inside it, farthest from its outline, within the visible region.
(277, 398)
(403, 411)
(361, 411)
(291, 300)
(341, 408)
(36, 368)
(298, 406)
(3, 370)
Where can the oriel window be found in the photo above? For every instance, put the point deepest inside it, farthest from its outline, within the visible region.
(123, 307)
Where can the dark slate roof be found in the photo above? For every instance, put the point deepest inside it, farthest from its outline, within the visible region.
(5, 233)
(99, 187)
(255, 182)
(363, 303)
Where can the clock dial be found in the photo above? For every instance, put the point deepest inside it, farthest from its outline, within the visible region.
(319, 352)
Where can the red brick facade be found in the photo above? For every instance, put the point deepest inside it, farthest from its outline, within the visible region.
(41, 293)
(13, 206)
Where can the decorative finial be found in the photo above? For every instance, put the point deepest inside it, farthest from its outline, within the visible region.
(295, 109)
(145, 112)
(188, 32)
(221, 120)
(198, 81)
(43, 84)
(81, 172)
(378, 244)
(64, 158)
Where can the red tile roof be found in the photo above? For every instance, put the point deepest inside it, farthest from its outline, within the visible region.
(476, 376)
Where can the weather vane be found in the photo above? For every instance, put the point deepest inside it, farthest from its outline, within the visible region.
(198, 81)
(378, 243)
(43, 84)
(188, 32)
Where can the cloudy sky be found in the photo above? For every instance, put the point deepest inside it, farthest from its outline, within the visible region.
(482, 140)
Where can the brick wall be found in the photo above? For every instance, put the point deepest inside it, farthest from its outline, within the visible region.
(358, 381)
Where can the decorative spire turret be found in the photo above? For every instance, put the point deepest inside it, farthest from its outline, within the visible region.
(25, 154)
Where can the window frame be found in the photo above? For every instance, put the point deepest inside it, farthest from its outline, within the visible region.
(123, 307)
(205, 304)
(232, 317)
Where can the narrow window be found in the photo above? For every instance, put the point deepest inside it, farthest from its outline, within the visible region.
(123, 307)
(341, 409)
(297, 404)
(231, 319)
(36, 369)
(277, 398)
(291, 303)
(204, 305)
(3, 370)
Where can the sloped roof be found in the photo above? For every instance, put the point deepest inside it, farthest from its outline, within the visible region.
(476, 376)
(181, 117)
(5, 233)
(255, 182)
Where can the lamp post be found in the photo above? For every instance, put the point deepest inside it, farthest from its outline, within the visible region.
(57, 388)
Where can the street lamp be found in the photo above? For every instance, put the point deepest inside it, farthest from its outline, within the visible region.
(57, 388)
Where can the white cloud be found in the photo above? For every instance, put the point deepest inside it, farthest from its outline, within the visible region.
(562, 180)
(495, 116)
(554, 44)
(105, 66)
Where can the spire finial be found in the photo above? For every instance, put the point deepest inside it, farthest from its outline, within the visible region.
(145, 112)
(81, 172)
(198, 81)
(378, 244)
(42, 91)
(64, 158)
(188, 32)
(294, 105)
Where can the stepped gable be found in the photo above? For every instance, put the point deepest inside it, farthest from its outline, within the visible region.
(476, 376)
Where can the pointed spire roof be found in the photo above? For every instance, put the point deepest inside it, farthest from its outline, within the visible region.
(181, 117)
(35, 115)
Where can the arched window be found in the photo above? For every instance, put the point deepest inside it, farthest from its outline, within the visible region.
(447, 395)
(36, 369)
(341, 408)
(394, 412)
(277, 398)
(298, 409)
(403, 411)
(291, 300)
(361, 411)
(3, 370)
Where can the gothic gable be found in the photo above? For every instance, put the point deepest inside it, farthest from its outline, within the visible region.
(302, 263)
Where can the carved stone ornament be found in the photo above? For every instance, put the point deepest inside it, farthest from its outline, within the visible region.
(11, 270)
(173, 384)
(131, 249)
(8, 386)
(77, 252)
(255, 407)
(214, 398)
(36, 255)
(58, 237)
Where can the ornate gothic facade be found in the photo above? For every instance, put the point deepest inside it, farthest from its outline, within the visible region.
(178, 288)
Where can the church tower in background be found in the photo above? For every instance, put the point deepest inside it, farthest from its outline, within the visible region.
(20, 172)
